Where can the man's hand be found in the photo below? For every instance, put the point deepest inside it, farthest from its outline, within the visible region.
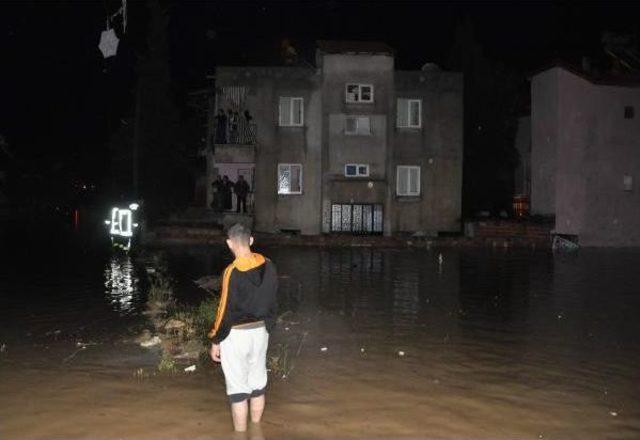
(214, 352)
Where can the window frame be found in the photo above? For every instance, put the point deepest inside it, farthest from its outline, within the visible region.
(356, 132)
(357, 165)
(408, 110)
(409, 168)
(291, 111)
(278, 179)
(629, 111)
(359, 100)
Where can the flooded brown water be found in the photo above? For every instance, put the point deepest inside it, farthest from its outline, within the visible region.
(496, 344)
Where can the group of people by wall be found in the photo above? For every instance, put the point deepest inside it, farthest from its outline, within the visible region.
(234, 127)
(223, 190)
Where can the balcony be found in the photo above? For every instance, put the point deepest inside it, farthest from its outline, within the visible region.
(242, 133)
(232, 146)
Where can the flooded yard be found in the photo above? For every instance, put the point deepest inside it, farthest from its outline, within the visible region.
(441, 344)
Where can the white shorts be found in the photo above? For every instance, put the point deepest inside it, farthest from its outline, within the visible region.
(243, 354)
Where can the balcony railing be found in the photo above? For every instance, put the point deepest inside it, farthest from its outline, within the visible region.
(241, 133)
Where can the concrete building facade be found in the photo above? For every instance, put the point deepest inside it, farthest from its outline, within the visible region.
(348, 146)
(585, 156)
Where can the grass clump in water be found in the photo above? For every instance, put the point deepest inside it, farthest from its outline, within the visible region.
(141, 374)
(279, 361)
(167, 365)
(197, 319)
(160, 289)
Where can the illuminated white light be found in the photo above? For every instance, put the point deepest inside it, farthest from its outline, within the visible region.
(121, 222)
(115, 225)
(134, 206)
(125, 222)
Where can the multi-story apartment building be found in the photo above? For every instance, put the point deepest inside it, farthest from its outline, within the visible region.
(348, 146)
(585, 155)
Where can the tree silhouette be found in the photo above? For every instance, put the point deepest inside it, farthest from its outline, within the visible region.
(490, 123)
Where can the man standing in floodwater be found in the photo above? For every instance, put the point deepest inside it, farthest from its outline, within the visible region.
(240, 334)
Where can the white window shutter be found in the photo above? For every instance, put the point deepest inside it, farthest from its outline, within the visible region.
(296, 117)
(364, 125)
(296, 179)
(351, 124)
(403, 180)
(285, 111)
(415, 113)
(414, 181)
(403, 112)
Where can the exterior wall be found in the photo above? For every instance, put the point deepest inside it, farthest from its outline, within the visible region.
(436, 148)
(575, 116)
(544, 139)
(596, 148)
(323, 148)
(340, 148)
(613, 213)
(277, 144)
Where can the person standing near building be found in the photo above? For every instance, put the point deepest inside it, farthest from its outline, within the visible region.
(241, 188)
(240, 334)
(218, 188)
(227, 188)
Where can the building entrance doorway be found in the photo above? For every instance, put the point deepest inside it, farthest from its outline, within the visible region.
(356, 218)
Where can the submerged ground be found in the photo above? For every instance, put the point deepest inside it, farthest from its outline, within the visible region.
(485, 345)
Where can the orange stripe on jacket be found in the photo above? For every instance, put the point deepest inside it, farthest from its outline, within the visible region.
(242, 264)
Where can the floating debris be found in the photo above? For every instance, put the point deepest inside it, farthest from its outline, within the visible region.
(324, 349)
(400, 353)
(361, 349)
(3, 348)
(613, 413)
(190, 369)
(563, 245)
(151, 342)
(72, 355)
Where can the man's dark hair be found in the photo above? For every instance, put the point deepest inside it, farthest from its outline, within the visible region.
(239, 233)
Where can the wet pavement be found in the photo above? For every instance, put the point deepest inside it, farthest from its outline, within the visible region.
(441, 344)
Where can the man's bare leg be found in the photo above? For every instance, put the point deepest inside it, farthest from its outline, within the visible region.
(239, 412)
(257, 408)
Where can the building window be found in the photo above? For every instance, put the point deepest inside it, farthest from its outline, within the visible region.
(357, 125)
(629, 112)
(291, 112)
(359, 93)
(408, 180)
(356, 170)
(409, 113)
(289, 178)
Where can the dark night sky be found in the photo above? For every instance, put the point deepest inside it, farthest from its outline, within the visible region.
(61, 100)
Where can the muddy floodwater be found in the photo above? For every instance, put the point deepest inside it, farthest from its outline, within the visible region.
(478, 344)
